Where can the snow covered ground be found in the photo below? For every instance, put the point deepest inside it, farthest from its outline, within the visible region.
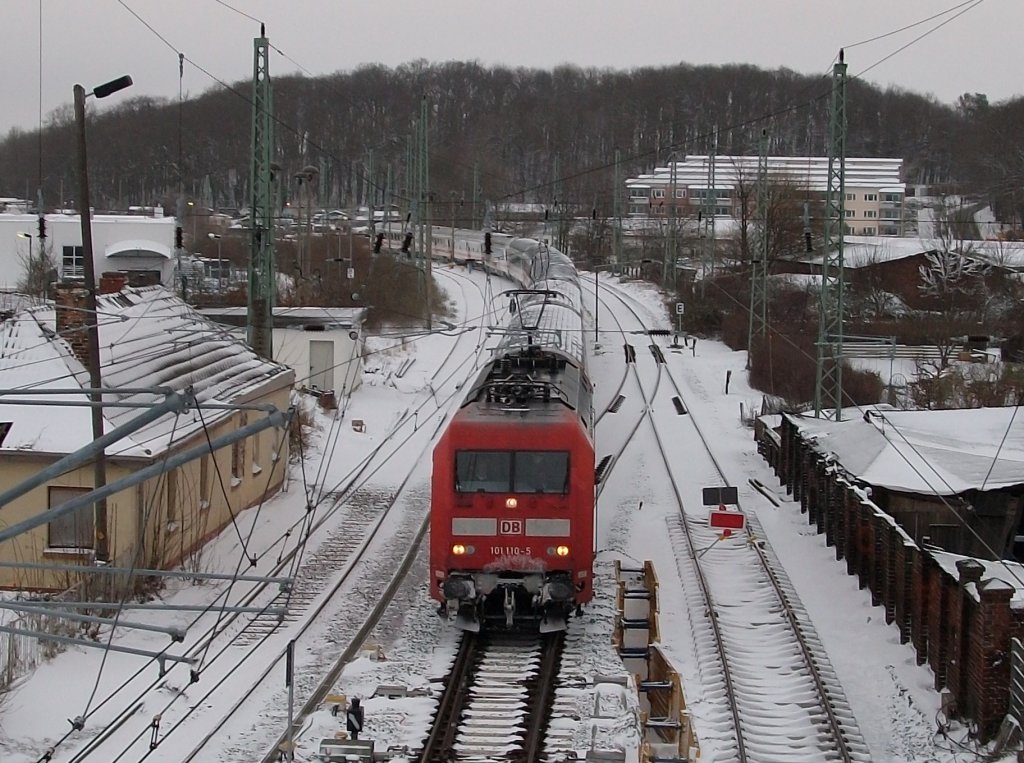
(891, 696)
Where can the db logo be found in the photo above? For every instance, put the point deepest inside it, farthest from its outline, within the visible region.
(510, 527)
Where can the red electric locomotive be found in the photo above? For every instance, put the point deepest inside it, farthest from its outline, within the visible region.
(512, 505)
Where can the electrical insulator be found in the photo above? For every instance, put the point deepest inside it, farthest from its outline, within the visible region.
(406, 243)
(377, 243)
(487, 243)
(593, 213)
(178, 240)
(808, 246)
(42, 227)
(545, 215)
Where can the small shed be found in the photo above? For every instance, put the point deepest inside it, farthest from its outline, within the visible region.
(323, 345)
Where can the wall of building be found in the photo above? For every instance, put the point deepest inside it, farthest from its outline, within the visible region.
(292, 347)
(189, 505)
(66, 230)
(169, 517)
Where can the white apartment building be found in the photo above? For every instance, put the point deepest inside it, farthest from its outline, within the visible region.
(874, 188)
(140, 246)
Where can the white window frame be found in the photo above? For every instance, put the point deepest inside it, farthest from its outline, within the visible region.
(73, 261)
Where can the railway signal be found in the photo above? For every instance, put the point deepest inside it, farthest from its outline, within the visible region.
(727, 521)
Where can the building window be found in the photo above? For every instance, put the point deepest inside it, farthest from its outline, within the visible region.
(851, 197)
(869, 231)
(238, 454)
(870, 213)
(659, 193)
(680, 193)
(73, 262)
(891, 198)
(172, 495)
(74, 530)
(849, 212)
(204, 482)
(871, 197)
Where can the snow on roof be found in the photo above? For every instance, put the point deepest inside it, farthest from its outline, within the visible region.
(148, 338)
(137, 248)
(926, 452)
(292, 316)
(861, 251)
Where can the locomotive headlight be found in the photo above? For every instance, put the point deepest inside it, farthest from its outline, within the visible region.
(458, 549)
(511, 503)
(562, 550)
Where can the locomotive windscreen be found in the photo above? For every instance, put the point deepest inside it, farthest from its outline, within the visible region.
(521, 471)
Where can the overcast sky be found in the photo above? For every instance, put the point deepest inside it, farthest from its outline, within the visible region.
(92, 41)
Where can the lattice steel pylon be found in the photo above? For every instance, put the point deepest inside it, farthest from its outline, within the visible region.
(261, 251)
(709, 207)
(828, 388)
(758, 321)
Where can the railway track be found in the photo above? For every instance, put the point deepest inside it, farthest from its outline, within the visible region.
(497, 699)
(314, 574)
(356, 512)
(782, 700)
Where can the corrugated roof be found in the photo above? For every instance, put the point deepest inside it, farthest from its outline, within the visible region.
(926, 452)
(148, 338)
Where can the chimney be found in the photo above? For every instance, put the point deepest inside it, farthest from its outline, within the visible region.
(113, 282)
(70, 301)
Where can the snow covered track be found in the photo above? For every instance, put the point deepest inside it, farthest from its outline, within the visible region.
(765, 672)
(497, 699)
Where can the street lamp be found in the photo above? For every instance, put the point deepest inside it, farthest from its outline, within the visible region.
(29, 281)
(102, 549)
(220, 261)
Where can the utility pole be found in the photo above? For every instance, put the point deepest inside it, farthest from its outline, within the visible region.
(371, 189)
(828, 388)
(102, 539)
(669, 260)
(758, 323)
(429, 232)
(476, 191)
(617, 235)
(708, 212)
(556, 208)
(261, 250)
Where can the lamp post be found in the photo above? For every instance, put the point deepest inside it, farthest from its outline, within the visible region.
(452, 195)
(220, 261)
(29, 280)
(192, 211)
(102, 549)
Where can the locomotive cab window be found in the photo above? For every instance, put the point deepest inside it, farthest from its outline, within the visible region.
(479, 471)
(540, 472)
(483, 471)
